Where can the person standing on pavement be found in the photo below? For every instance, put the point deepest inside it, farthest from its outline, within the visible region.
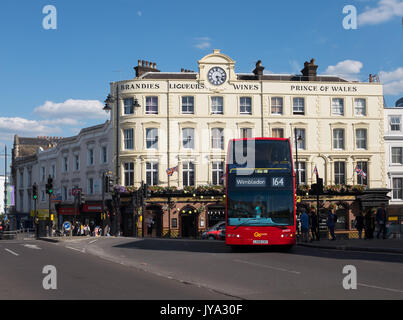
(359, 224)
(369, 224)
(381, 219)
(314, 224)
(331, 221)
(304, 226)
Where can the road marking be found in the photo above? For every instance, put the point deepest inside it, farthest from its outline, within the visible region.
(32, 246)
(75, 249)
(12, 252)
(268, 267)
(92, 241)
(380, 288)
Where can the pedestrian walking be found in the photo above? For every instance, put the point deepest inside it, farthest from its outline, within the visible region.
(381, 219)
(331, 221)
(359, 224)
(304, 226)
(150, 223)
(314, 224)
(369, 224)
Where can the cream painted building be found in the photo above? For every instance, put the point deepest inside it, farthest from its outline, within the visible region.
(185, 120)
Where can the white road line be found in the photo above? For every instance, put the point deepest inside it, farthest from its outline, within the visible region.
(12, 252)
(32, 246)
(92, 241)
(268, 267)
(75, 249)
(380, 288)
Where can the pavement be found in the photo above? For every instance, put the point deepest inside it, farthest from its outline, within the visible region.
(368, 245)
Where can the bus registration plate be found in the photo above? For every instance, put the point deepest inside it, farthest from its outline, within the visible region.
(260, 242)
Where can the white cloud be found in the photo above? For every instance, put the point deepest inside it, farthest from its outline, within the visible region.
(347, 69)
(385, 10)
(72, 109)
(392, 81)
(202, 43)
(139, 13)
(24, 127)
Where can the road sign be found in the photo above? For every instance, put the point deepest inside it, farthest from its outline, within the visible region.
(67, 225)
(75, 191)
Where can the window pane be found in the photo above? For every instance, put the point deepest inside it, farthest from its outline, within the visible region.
(339, 172)
(277, 133)
(360, 107)
(188, 105)
(151, 105)
(128, 136)
(188, 174)
(129, 173)
(188, 138)
(397, 188)
(218, 172)
(152, 173)
(338, 138)
(128, 106)
(298, 105)
(217, 105)
(397, 155)
(361, 138)
(246, 105)
(338, 106)
(395, 123)
(217, 138)
(300, 138)
(277, 105)
(246, 133)
(301, 172)
(152, 138)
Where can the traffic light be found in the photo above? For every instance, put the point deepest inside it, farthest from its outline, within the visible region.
(108, 184)
(35, 192)
(146, 191)
(82, 198)
(317, 188)
(49, 186)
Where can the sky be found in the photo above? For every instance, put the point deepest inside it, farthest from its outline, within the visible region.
(56, 64)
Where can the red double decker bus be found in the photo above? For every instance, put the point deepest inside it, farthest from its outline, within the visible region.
(260, 193)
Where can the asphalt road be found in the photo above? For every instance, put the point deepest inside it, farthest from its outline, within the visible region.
(81, 276)
(162, 269)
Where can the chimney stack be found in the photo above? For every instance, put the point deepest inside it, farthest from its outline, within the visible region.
(309, 71)
(144, 67)
(259, 70)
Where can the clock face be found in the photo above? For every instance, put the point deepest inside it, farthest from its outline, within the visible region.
(217, 76)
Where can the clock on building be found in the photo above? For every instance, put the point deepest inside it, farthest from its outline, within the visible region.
(217, 76)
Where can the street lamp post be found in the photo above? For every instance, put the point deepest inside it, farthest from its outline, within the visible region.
(107, 108)
(297, 139)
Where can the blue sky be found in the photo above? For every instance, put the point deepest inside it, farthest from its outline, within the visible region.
(54, 82)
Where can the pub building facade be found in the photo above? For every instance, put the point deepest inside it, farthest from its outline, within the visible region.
(171, 130)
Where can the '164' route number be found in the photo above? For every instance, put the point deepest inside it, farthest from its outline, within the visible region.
(277, 182)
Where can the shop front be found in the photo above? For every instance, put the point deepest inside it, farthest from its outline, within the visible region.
(91, 214)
